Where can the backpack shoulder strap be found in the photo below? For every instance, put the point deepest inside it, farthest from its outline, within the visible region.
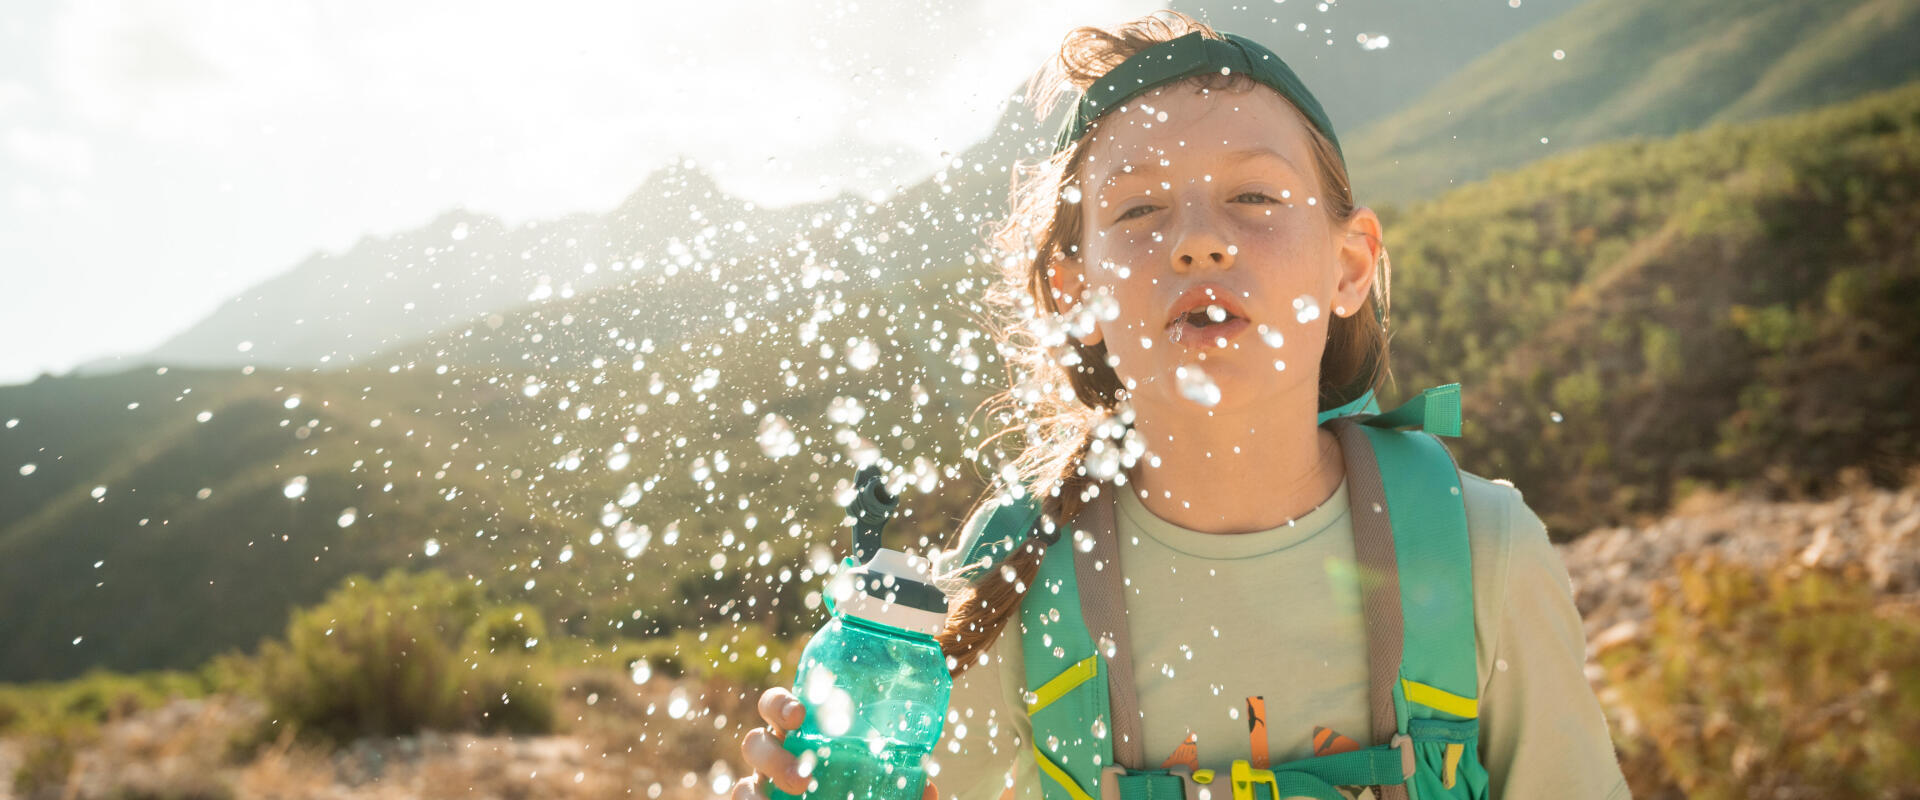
(1421, 484)
(1410, 539)
(993, 533)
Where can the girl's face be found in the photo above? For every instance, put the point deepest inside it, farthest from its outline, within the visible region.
(1190, 201)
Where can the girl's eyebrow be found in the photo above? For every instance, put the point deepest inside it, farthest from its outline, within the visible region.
(1231, 159)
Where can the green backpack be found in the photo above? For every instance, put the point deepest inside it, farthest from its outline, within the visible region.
(1410, 526)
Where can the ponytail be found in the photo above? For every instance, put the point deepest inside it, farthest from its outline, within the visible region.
(985, 608)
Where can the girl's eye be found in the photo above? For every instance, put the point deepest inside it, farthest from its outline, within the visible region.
(1130, 215)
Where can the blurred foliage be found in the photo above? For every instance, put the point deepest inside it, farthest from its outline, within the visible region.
(1783, 682)
(411, 651)
(1736, 306)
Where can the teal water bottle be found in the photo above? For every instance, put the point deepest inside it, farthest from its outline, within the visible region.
(873, 680)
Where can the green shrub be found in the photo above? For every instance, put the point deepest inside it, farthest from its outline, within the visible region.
(413, 651)
(1785, 682)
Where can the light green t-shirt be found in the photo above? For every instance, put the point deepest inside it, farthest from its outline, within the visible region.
(1216, 619)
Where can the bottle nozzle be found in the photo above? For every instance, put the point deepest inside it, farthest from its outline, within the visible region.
(872, 506)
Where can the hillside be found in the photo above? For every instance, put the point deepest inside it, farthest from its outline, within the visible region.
(1632, 68)
(1736, 306)
(623, 485)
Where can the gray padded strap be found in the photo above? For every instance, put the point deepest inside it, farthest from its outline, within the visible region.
(1379, 584)
(1103, 605)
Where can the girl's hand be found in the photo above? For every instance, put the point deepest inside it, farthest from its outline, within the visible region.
(761, 747)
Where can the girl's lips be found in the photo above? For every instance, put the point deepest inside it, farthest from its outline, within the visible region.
(1210, 337)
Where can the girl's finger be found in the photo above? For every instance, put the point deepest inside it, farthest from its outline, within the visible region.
(931, 793)
(763, 752)
(748, 788)
(781, 709)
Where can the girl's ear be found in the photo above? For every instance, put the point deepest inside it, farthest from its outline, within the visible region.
(1359, 252)
(1067, 280)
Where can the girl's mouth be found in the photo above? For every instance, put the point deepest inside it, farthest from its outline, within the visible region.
(1205, 328)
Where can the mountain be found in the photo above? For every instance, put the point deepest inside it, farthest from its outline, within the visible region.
(333, 310)
(1633, 68)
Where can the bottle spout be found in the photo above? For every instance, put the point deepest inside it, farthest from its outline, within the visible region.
(871, 508)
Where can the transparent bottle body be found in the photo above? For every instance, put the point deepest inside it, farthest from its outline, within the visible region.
(876, 699)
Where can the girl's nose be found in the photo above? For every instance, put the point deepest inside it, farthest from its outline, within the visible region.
(1200, 246)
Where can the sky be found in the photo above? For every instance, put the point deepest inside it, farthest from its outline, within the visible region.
(160, 156)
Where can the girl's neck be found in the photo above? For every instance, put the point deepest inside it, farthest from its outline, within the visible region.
(1285, 465)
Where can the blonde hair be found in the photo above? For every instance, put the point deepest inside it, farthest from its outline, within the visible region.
(1064, 389)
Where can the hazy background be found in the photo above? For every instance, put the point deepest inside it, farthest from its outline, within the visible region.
(157, 158)
(548, 343)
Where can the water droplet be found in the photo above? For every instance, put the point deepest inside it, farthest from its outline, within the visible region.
(295, 488)
(27, 469)
(629, 496)
(1196, 385)
(642, 671)
(1559, 55)
(244, 346)
(459, 232)
(618, 461)
(99, 492)
(863, 355)
(432, 548)
(1306, 309)
(1555, 416)
(348, 515)
(1099, 728)
(1271, 336)
(1104, 306)
(203, 416)
(1071, 194)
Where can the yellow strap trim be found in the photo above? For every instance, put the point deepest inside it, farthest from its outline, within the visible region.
(1447, 772)
(1064, 682)
(1057, 774)
(1440, 699)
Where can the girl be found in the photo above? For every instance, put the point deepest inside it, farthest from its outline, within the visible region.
(1189, 284)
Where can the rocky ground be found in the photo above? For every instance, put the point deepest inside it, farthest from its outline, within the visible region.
(1613, 569)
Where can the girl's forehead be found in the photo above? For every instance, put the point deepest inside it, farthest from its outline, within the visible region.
(1190, 129)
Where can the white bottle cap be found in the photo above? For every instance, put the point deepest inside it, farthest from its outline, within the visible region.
(893, 589)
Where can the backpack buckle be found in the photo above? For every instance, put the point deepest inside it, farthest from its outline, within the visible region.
(1405, 743)
(1110, 782)
(1245, 777)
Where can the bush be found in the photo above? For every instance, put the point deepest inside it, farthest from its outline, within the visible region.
(413, 651)
(1783, 683)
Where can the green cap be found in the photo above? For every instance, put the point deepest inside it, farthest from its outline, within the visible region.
(1193, 54)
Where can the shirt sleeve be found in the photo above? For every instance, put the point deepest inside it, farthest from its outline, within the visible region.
(1542, 733)
(984, 753)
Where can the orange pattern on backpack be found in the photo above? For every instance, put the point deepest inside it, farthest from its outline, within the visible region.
(1327, 742)
(1257, 730)
(1187, 754)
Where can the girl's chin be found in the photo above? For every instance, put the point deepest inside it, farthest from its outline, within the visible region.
(1228, 380)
